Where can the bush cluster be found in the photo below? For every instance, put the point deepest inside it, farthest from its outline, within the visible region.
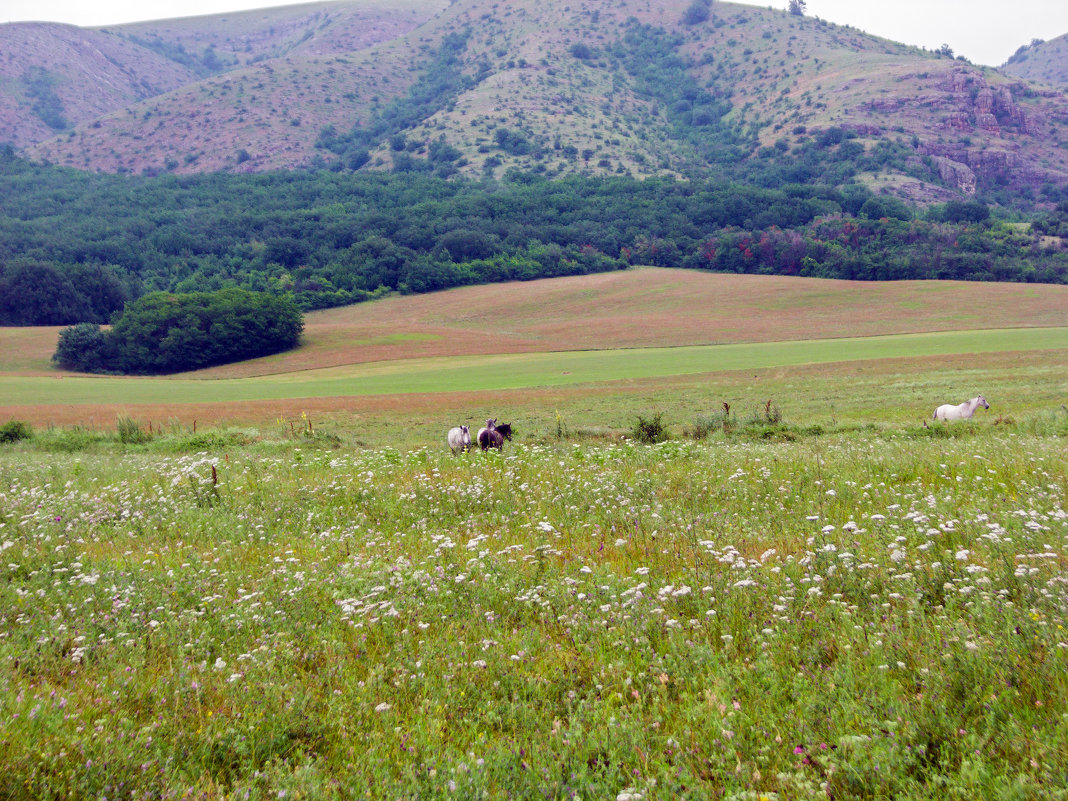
(650, 430)
(169, 333)
(15, 430)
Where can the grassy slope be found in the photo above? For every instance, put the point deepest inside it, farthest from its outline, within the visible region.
(375, 362)
(641, 307)
(1044, 63)
(316, 28)
(526, 370)
(88, 74)
(322, 70)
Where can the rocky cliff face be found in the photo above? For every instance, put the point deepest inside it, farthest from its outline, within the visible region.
(977, 105)
(978, 128)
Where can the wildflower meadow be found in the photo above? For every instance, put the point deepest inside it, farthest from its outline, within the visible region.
(873, 613)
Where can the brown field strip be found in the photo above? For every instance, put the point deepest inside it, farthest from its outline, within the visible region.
(642, 307)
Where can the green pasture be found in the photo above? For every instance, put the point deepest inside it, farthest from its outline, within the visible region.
(517, 371)
(866, 614)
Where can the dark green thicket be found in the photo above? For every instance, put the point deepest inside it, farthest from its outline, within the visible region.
(15, 430)
(170, 333)
(697, 12)
(650, 430)
(652, 57)
(39, 85)
(34, 292)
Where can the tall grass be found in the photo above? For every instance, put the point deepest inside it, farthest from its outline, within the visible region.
(854, 615)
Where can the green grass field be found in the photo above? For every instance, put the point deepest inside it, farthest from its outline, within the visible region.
(870, 613)
(518, 371)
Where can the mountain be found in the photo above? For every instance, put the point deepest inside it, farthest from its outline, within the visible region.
(1041, 62)
(478, 87)
(55, 78)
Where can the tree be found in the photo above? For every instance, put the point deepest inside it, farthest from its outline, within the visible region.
(697, 12)
(33, 293)
(84, 347)
(797, 7)
(170, 333)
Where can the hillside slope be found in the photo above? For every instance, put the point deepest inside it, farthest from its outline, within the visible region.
(1041, 62)
(576, 86)
(636, 308)
(312, 29)
(55, 77)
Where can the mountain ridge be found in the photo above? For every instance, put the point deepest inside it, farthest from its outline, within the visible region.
(558, 87)
(1041, 62)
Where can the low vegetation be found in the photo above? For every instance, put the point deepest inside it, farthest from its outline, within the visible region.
(863, 614)
(15, 430)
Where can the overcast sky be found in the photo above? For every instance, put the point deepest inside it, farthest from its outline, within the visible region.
(984, 31)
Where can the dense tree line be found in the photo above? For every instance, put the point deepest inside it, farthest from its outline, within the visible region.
(75, 246)
(37, 293)
(169, 333)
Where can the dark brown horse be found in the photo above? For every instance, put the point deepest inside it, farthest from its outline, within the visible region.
(493, 435)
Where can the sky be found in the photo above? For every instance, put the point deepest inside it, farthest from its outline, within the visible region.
(983, 31)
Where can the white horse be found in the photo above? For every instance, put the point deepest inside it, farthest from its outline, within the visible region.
(460, 439)
(948, 411)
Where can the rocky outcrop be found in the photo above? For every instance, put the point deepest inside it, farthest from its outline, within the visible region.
(977, 105)
(955, 174)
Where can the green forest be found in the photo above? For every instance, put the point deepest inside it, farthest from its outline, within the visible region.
(76, 246)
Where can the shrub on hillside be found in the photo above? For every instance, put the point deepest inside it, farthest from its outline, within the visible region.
(697, 12)
(650, 430)
(14, 430)
(170, 333)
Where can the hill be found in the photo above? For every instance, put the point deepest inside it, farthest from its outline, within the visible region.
(637, 308)
(559, 87)
(651, 307)
(55, 78)
(1041, 62)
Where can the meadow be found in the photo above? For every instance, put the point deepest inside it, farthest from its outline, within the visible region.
(876, 613)
(536, 347)
(815, 593)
